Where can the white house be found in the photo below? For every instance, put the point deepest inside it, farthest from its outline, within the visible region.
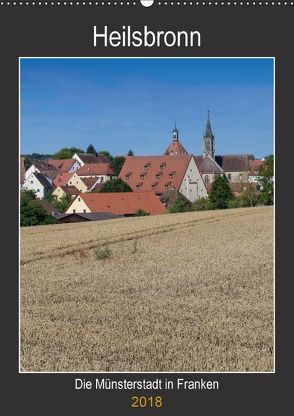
(38, 183)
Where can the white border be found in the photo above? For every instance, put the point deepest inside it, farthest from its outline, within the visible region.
(274, 207)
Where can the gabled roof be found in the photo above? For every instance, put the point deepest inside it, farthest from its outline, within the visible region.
(95, 169)
(63, 165)
(44, 167)
(234, 163)
(156, 169)
(89, 182)
(123, 203)
(175, 148)
(48, 207)
(42, 179)
(62, 179)
(209, 165)
(69, 190)
(255, 165)
(90, 158)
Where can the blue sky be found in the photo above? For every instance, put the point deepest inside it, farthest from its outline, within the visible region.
(122, 104)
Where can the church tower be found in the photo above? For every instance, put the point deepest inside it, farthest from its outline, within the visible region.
(208, 140)
(175, 147)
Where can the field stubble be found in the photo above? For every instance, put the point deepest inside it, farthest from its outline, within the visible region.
(180, 292)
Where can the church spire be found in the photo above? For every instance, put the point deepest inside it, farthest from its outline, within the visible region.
(208, 139)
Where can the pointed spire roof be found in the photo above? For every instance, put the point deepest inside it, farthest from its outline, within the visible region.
(208, 129)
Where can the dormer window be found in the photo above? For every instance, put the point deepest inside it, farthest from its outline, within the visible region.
(154, 186)
(171, 175)
(143, 176)
(167, 185)
(139, 186)
(147, 165)
(162, 165)
(158, 175)
(128, 175)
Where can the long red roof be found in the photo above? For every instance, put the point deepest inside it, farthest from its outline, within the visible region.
(123, 203)
(91, 169)
(154, 173)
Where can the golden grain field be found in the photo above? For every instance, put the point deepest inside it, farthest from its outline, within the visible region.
(180, 292)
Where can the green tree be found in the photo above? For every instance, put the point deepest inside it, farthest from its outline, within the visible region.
(115, 185)
(91, 149)
(266, 182)
(249, 196)
(105, 153)
(27, 162)
(116, 164)
(201, 204)
(181, 204)
(66, 153)
(60, 204)
(141, 213)
(31, 212)
(130, 153)
(220, 193)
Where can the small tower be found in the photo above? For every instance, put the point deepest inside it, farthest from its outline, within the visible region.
(175, 132)
(175, 147)
(208, 140)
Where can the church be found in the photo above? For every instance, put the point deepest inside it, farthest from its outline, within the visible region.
(238, 168)
(177, 171)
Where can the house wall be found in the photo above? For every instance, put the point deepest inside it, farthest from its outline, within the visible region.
(192, 186)
(75, 166)
(78, 205)
(30, 170)
(32, 184)
(76, 181)
(235, 176)
(58, 192)
(76, 157)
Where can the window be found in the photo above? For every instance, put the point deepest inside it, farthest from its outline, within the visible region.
(74, 211)
(143, 176)
(162, 165)
(229, 176)
(206, 180)
(147, 165)
(79, 198)
(241, 176)
(38, 190)
(138, 186)
(158, 175)
(171, 175)
(32, 182)
(84, 210)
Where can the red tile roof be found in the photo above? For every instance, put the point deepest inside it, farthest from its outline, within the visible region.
(90, 169)
(123, 203)
(89, 182)
(70, 190)
(62, 179)
(255, 165)
(175, 148)
(90, 158)
(63, 165)
(157, 170)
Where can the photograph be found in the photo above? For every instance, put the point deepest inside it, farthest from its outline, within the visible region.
(146, 215)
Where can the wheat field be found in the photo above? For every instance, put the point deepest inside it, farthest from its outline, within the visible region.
(179, 292)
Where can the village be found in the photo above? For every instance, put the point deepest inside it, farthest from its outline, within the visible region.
(150, 184)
